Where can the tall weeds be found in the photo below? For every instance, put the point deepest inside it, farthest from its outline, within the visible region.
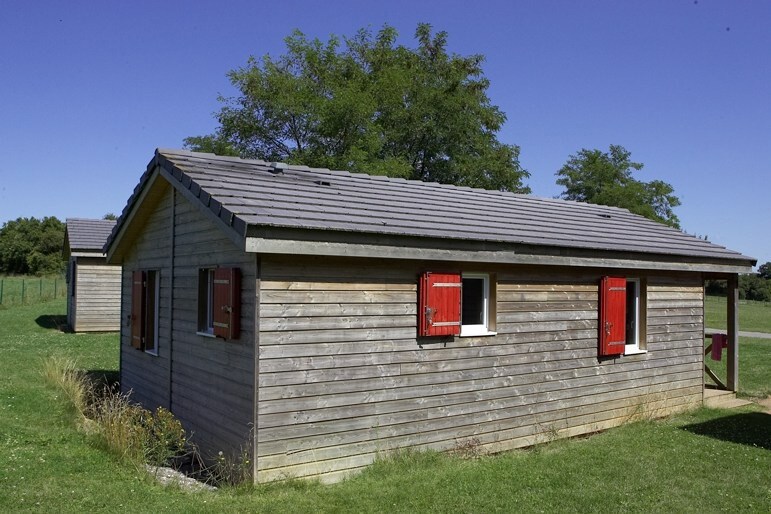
(122, 427)
(62, 373)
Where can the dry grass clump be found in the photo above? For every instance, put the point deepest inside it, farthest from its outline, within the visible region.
(119, 425)
(140, 436)
(62, 373)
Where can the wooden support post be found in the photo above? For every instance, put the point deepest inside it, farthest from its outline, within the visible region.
(732, 361)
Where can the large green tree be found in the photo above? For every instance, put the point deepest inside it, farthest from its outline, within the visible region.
(370, 105)
(31, 246)
(605, 178)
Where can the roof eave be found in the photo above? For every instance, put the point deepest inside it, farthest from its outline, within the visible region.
(339, 244)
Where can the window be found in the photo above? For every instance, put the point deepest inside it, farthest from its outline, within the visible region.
(72, 271)
(454, 304)
(205, 301)
(145, 300)
(475, 301)
(622, 306)
(219, 302)
(635, 307)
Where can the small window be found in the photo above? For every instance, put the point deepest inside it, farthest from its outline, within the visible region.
(145, 301)
(622, 316)
(73, 277)
(635, 341)
(206, 301)
(475, 303)
(455, 304)
(219, 302)
(153, 301)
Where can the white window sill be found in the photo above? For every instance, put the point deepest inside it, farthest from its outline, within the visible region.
(206, 334)
(634, 351)
(154, 353)
(481, 333)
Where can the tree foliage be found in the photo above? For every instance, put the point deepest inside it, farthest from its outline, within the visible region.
(31, 246)
(764, 271)
(369, 105)
(605, 178)
(754, 287)
(751, 287)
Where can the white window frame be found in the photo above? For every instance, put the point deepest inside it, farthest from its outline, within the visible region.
(206, 303)
(484, 328)
(635, 309)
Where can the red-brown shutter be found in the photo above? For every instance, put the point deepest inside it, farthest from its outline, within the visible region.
(138, 309)
(612, 316)
(439, 304)
(226, 307)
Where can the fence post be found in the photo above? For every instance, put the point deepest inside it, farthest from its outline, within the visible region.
(2, 281)
(56, 282)
(40, 294)
(22, 291)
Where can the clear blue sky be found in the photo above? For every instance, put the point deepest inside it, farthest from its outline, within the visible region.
(89, 89)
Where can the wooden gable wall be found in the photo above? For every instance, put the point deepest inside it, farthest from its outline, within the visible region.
(207, 382)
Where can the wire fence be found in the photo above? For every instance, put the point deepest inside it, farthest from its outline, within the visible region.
(29, 290)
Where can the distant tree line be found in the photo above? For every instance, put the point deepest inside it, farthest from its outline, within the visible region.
(31, 246)
(751, 286)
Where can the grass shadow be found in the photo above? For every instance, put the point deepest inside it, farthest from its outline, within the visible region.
(52, 322)
(750, 428)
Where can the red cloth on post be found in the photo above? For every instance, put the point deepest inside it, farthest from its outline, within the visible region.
(719, 341)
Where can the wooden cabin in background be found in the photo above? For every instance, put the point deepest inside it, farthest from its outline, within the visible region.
(93, 286)
(320, 318)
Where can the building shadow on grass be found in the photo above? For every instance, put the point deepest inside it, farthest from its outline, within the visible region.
(750, 428)
(104, 379)
(53, 322)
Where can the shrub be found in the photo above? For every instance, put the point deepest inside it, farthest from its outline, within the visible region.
(133, 432)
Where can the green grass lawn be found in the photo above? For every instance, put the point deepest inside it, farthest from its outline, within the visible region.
(703, 461)
(754, 367)
(754, 354)
(753, 316)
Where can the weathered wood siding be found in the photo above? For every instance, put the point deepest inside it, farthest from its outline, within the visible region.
(343, 379)
(207, 382)
(147, 376)
(95, 306)
(71, 304)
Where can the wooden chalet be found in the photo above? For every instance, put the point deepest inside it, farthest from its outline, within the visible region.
(93, 286)
(320, 318)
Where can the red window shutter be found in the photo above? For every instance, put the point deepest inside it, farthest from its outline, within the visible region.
(226, 306)
(439, 304)
(612, 316)
(138, 310)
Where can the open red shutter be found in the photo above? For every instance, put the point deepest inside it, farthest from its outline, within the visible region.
(612, 316)
(226, 308)
(439, 304)
(138, 309)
